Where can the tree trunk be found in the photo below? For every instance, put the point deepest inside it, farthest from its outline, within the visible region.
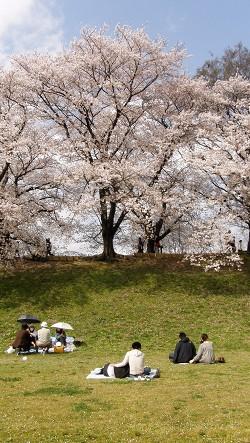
(108, 246)
(160, 233)
(109, 225)
(150, 246)
(4, 174)
(5, 245)
(248, 243)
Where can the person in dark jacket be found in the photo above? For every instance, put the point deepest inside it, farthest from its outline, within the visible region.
(184, 349)
(23, 340)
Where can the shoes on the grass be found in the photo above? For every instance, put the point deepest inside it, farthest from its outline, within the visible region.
(157, 373)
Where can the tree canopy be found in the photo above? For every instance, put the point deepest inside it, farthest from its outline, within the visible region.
(111, 132)
(234, 61)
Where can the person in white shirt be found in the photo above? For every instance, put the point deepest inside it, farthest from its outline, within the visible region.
(135, 359)
(44, 337)
(205, 352)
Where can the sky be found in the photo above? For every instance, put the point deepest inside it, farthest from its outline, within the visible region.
(204, 27)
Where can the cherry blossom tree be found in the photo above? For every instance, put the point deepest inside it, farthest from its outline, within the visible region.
(98, 95)
(119, 133)
(224, 155)
(177, 123)
(27, 185)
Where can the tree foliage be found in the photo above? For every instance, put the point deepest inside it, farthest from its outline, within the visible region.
(28, 188)
(111, 135)
(234, 61)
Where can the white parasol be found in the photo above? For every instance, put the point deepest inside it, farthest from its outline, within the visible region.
(62, 325)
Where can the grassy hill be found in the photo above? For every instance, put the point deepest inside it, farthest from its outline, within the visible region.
(48, 399)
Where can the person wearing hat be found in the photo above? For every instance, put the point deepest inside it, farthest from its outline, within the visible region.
(43, 336)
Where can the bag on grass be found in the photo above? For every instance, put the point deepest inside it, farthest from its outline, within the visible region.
(220, 360)
(58, 348)
(10, 350)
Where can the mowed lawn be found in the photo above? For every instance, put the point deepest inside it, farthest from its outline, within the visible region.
(48, 399)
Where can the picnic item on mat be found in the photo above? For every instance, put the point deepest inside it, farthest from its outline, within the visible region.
(58, 348)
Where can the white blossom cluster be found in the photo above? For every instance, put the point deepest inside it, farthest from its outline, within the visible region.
(215, 262)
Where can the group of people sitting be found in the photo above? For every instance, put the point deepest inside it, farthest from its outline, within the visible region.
(28, 338)
(133, 362)
(185, 351)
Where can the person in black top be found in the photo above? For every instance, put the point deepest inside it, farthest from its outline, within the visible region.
(184, 350)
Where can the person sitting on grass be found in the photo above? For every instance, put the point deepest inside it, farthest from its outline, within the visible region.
(205, 352)
(184, 350)
(44, 337)
(33, 333)
(23, 340)
(134, 359)
(60, 336)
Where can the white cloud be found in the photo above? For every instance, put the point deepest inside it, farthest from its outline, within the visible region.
(27, 25)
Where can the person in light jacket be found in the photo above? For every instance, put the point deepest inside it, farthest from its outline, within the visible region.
(135, 360)
(44, 337)
(205, 352)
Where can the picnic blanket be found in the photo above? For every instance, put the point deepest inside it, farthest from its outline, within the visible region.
(70, 347)
(96, 374)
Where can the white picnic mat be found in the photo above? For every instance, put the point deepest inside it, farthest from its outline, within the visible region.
(95, 374)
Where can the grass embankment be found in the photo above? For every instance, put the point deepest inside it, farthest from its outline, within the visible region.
(48, 399)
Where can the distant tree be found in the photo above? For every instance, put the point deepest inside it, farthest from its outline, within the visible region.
(234, 61)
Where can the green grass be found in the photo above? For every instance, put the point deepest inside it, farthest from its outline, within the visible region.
(48, 399)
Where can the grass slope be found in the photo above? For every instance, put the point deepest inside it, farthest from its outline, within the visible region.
(48, 399)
